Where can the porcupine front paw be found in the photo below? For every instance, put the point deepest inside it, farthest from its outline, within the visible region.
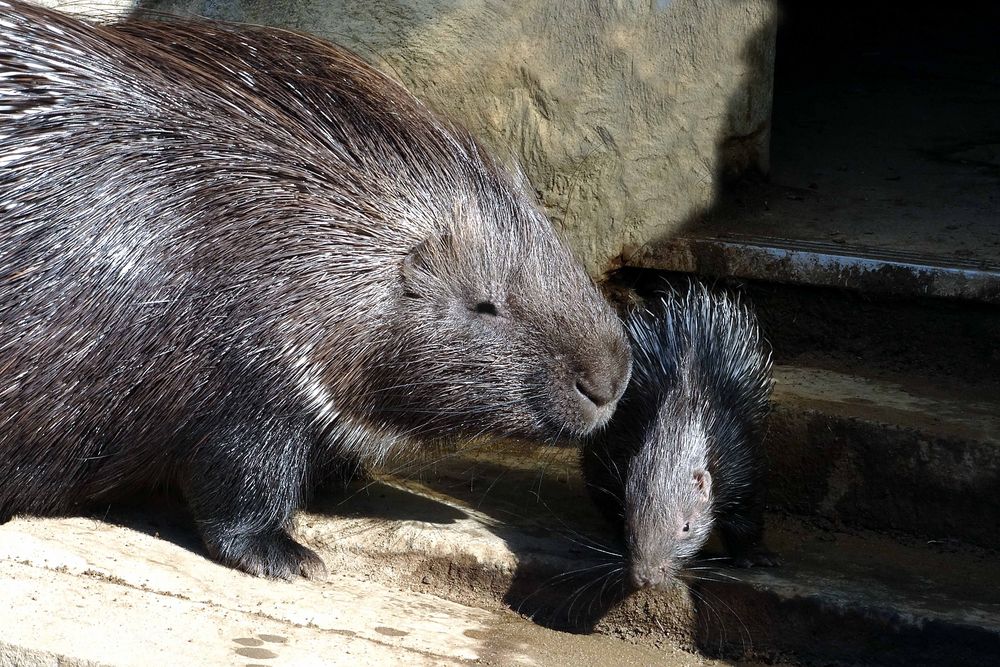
(274, 555)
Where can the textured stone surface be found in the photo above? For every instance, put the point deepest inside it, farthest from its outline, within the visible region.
(624, 114)
(422, 577)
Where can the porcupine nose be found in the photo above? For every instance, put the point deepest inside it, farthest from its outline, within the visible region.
(598, 389)
(604, 383)
(649, 575)
(602, 372)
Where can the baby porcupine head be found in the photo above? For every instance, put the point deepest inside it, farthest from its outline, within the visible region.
(668, 491)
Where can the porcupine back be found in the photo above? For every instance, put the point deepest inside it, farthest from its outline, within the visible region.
(710, 344)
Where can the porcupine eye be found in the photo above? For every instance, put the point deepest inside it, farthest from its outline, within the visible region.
(486, 308)
(687, 527)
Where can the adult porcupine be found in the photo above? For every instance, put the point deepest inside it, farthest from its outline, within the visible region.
(683, 451)
(228, 254)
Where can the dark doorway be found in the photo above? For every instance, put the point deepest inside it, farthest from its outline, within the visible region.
(886, 128)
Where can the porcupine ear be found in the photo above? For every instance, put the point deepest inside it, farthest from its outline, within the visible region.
(703, 482)
(414, 262)
(419, 263)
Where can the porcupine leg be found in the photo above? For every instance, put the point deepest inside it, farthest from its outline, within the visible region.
(742, 534)
(242, 490)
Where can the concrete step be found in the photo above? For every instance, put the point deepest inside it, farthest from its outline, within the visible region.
(82, 592)
(950, 342)
(827, 262)
(523, 537)
(886, 409)
(886, 454)
(510, 526)
(856, 598)
(423, 571)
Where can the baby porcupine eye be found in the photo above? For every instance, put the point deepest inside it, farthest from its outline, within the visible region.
(687, 527)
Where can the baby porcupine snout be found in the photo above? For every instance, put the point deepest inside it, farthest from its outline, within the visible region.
(651, 575)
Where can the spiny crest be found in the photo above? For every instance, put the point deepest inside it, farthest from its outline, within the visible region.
(704, 337)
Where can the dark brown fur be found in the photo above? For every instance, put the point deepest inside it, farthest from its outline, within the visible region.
(231, 254)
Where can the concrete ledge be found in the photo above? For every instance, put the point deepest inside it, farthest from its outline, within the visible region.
(427, 566)
(89, 592)
(824, 263)
(84, 592)
(842, 596)
(426, 579)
